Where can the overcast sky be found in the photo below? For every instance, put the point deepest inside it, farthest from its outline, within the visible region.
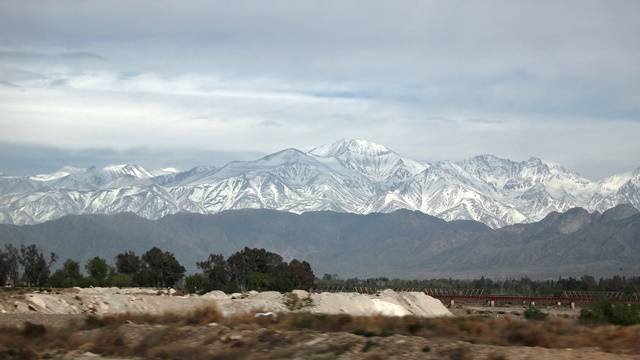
(185, 83)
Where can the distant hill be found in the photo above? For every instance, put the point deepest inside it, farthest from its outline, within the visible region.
(403, 243)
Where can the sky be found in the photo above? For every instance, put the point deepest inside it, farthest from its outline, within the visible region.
(185, 83)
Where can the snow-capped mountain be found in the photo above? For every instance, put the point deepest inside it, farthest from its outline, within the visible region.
(374, 161)
(348, 176)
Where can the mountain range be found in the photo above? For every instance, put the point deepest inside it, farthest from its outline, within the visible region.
(352, 176)
(402, 243)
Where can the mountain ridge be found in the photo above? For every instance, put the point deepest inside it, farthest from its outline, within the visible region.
(404, 243)
(350, 175)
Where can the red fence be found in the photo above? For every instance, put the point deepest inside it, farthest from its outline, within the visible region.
(480, 296)
(567, 297)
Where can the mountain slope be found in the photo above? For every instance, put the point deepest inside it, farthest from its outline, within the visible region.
(403, 243)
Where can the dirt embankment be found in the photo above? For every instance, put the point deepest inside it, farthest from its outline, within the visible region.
(103, 301)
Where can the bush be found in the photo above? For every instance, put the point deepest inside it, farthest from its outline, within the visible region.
(194, 283)
(533, 313)
(70, 282)
(89, 282)
(613, 313)
(120, 280)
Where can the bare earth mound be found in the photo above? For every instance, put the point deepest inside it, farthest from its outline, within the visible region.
(104, 301)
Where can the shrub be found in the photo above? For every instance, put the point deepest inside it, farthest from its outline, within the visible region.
(533, 313)
(89, 282)
(613, 313)
(70, 282)
(120, 280)
(194, 283)
(293, 302)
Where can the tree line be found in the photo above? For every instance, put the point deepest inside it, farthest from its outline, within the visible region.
(522, 286)
(247, 269)
(250, 269)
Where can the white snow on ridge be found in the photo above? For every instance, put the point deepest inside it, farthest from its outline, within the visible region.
(127, 169)
(164, 171)
(348, 176)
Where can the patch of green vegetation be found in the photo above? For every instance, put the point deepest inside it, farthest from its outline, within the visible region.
(613, 313)
(533, 313)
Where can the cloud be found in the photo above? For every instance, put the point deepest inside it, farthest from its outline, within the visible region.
(22, 159)
(430, 79)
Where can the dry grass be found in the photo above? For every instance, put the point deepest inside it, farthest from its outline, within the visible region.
(552, 333)
(201, 316)
(189, 336)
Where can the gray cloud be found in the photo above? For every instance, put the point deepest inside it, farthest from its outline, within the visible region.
(21, 159)
(433, 80)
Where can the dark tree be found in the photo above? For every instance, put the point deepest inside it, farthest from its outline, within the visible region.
(252, 264)
(97, 268)
(282, 279)
(216, 272)
(36, 267)
(161, 268)
(71, 269)
(9, 265)
(295, 275)
(302, 277)
(128, 263)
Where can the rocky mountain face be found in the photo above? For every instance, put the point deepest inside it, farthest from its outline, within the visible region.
(402, 243)
(353, 176)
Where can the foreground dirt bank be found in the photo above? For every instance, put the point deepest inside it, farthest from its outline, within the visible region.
(206, 334)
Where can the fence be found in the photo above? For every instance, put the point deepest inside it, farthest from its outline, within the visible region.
(479, 296)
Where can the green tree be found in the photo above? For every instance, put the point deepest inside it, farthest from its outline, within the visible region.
(295, 275)
(128, 263)
(161, 268)
(71, 269)
(249, 261)
(69, 275)
(98, 269)
(260, 281)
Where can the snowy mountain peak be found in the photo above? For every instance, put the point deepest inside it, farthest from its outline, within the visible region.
(356, 146)
(374, 161)
(136, 171)
(350, 175)
(285, 156)
(534, 161)
(164, 171)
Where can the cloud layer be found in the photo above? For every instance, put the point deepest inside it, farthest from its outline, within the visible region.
(431, 80)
